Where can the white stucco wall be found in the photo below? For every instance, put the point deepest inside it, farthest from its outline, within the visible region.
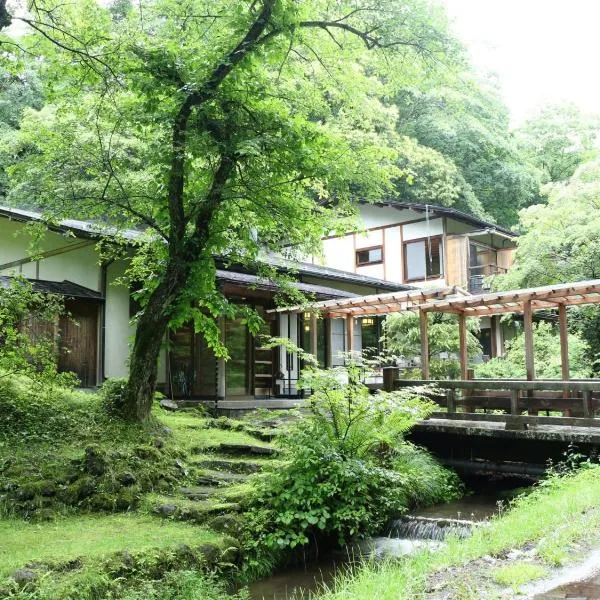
(78, 265)
(118, 331)
(414, 231)
(338, 253)
(373, 215)
(393, 255)
(367, 239)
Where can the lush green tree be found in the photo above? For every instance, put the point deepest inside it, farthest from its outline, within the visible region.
(429, 177)
(560, 240)
(546, 347)
(403, 339)
(559, 139)
(466, 121)
(18, 91)
(561, 243)
(221, 128)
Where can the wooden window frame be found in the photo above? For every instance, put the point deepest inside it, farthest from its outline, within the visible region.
(426, 239)
(368, 249)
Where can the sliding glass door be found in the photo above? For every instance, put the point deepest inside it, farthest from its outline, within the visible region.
(237, 368)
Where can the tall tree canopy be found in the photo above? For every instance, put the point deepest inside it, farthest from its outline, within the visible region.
(466, 122)
(559, 139)
(220, 127)
(561, 239)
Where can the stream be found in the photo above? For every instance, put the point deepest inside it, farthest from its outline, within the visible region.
(424, 526)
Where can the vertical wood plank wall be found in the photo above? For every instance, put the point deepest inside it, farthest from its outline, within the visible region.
(457, 249)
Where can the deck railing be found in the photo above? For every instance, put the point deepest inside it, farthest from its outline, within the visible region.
(574, 398)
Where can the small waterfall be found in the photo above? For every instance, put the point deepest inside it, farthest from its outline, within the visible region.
(427, 528)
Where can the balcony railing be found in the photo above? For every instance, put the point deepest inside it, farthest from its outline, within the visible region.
(478, 276)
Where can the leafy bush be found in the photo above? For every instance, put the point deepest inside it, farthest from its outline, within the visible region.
(28, 339)
(546, 344)
(430, 483)
(113, 393)
(403, 339)
(346, 471)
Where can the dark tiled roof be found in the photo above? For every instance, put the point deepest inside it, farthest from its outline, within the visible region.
(459, 215)
(62, 288)
(313, 270)
(246, 279)
(80, 228)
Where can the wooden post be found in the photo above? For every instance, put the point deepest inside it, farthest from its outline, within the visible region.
(424, 344)
(451, 400)
(463, 350)
(588, 409)
(564, 342)
(350, 333)
(313, 334)
(528, 324)
(529, 355)
(514, 402)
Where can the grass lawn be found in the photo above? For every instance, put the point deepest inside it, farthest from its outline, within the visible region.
(91, 536)
(555, 515)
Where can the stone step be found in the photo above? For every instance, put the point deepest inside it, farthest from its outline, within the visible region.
(198, 513)
(198, 492)
(265, 435)
(234, 448)
(230, 466)
(221, 479)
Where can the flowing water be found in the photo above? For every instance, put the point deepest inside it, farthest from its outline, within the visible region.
(424, 527)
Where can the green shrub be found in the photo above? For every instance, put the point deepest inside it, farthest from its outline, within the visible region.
(546, 345)
(28, 336)
(403, 339)
(428, 481)
(340, 479)
(112, 393)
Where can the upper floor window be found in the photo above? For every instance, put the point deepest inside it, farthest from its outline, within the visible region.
(423, 259)
(369, 256)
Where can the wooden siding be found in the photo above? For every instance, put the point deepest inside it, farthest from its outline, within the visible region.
(457, 253)
(79, 340)
(506, 257)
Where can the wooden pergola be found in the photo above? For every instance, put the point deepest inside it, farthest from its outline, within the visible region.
(525, 301)
(455, 300)
(366, 306)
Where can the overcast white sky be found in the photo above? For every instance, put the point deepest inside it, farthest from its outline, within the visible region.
(543, 50)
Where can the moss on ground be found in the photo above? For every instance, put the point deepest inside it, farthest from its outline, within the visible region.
(85, 500)
(89, 537)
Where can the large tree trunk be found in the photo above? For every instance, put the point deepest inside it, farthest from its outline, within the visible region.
(149, 336)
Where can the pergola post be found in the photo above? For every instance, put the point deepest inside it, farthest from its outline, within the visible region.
(564, 342)
(462, 344)
(423, 322)
(528, 326)
(313, 334)
(350, 333)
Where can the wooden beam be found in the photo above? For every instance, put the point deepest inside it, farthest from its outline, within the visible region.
(424, 344)
(350, 333)
(463, 353)
(564, 342)
(529, 356)
(313, 334)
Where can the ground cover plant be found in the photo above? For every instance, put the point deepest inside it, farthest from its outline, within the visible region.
(547, 526)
